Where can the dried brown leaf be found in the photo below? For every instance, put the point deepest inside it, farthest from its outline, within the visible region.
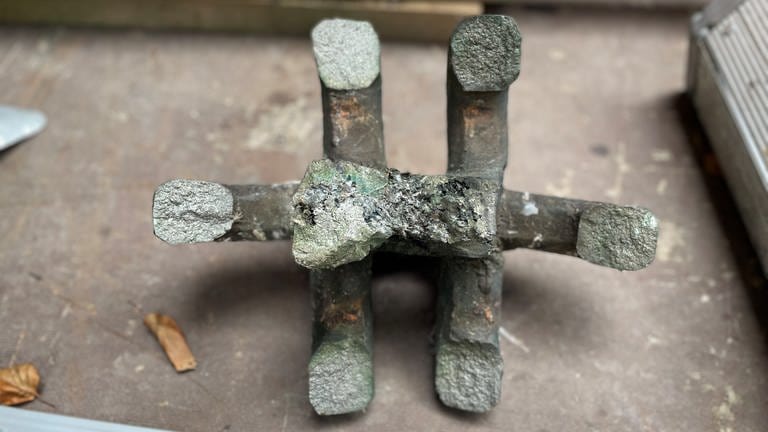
(18, 384)
(172, 340)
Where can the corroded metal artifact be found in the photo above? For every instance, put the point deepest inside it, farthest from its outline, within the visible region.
(350, 205)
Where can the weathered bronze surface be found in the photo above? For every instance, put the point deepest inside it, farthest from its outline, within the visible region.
(349, 206)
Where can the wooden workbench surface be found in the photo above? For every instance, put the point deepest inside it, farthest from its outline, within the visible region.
(675, 347)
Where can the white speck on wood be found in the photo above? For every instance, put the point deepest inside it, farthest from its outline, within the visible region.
(622, 168)
(66, 311)
(509, 337)
(661, 156)
(671, 242)
(564, 185)
(19, 340)
(556, 55)
(284, 128)
(653, 341)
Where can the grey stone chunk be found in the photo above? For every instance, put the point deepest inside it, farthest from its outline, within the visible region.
(485, 52)
(347, 53)
(340, 377)
(191, 211)
(342, 211)
(623, 238)
(17, 124)
(468, 375)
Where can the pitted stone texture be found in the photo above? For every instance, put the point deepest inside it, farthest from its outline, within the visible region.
(468, 375)
(340, 378)
(623, 238)
(190, 211)
(485, 53)
(342, 211)
(347, 53)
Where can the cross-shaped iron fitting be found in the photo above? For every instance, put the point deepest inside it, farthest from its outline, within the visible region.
(350, 205)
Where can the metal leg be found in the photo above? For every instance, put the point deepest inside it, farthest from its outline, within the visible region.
(468, 361)
(469, 365)
(341, 367)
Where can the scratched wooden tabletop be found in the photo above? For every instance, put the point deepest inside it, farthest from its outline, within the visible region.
(676, 347)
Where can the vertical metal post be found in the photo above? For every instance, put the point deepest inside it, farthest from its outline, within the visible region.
(341, 368)
(483, 60)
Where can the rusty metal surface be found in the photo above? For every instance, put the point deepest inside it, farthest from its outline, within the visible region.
(673, 347)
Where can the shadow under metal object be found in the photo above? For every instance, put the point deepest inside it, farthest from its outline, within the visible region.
(349, 205)
(728, 84)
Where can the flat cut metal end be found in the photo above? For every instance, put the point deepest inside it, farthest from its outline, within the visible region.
(623, 238)
(347, 53)
(484, 52)
(191, 211)
(340, 378)
(468, 375)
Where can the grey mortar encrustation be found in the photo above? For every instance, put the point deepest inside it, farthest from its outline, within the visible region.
(344, 211)
(407, 214)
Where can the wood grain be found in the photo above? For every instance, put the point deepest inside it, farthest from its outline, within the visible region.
(410, 20)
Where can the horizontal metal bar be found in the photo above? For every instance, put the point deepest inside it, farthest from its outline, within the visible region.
(523, 220)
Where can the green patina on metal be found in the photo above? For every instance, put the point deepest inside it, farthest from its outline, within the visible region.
(343, 211)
